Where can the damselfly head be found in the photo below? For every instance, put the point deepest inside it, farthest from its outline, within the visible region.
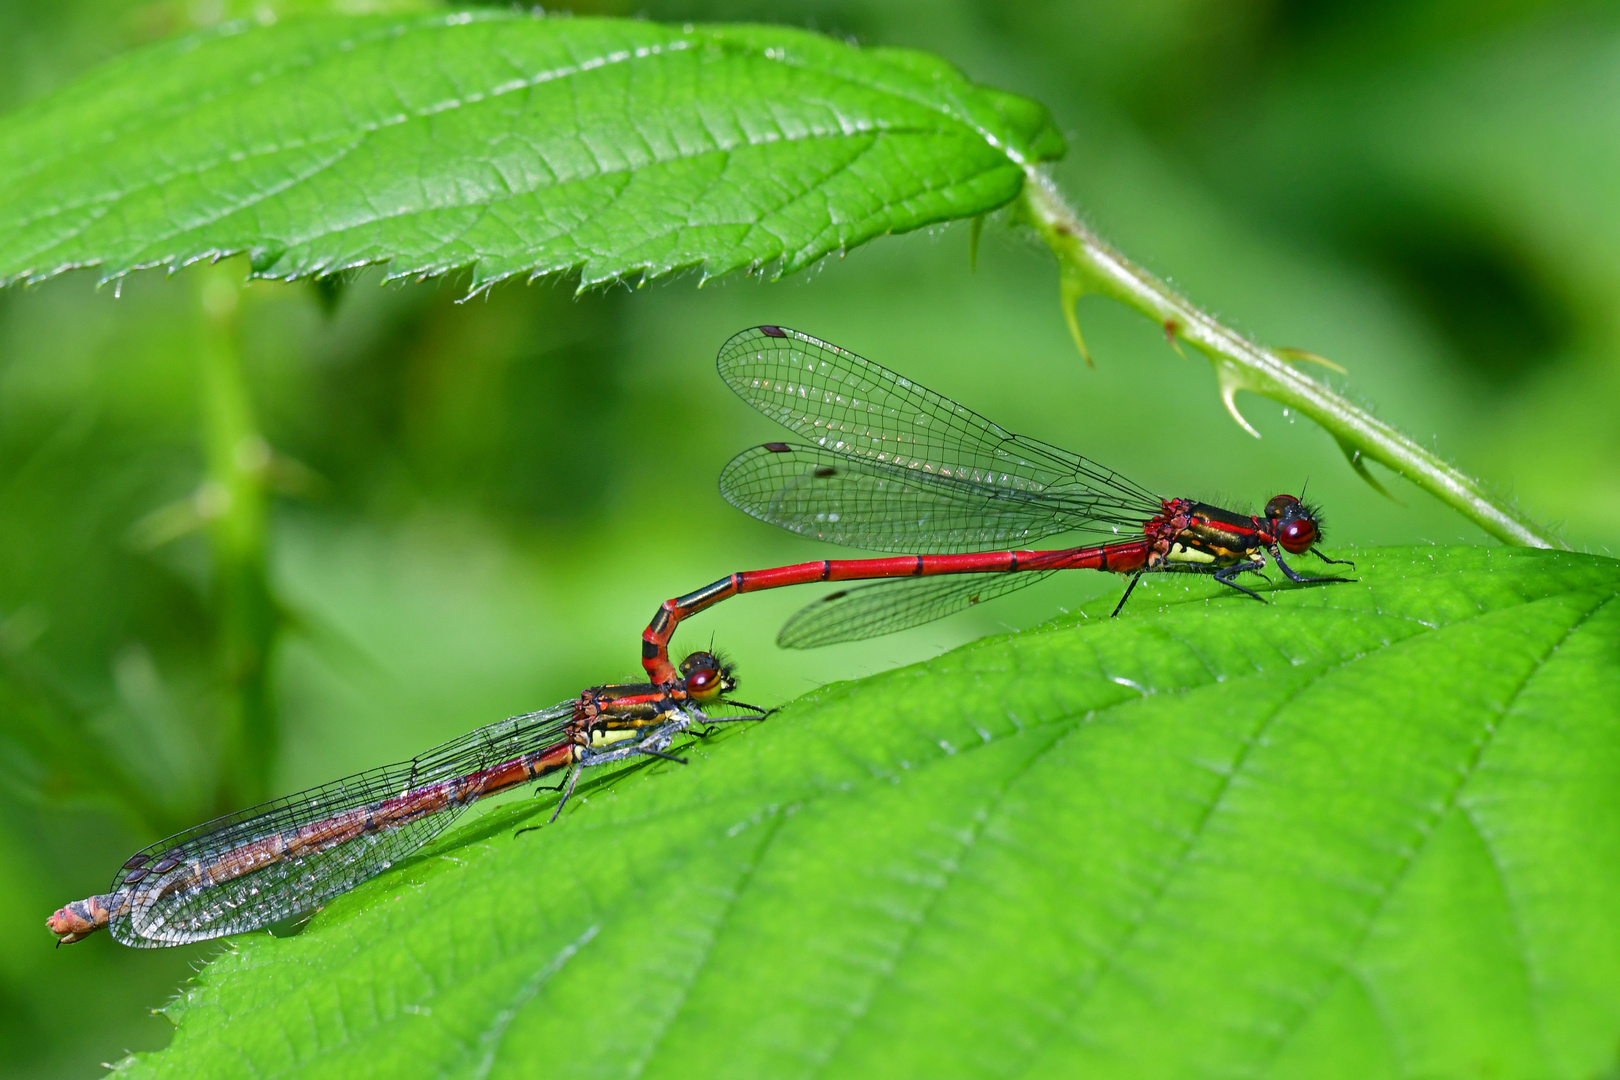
(1295, 525)
(707, 676)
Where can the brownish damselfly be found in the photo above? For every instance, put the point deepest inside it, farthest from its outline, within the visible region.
(282, 858)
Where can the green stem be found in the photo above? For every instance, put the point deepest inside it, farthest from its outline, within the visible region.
(1087, 264)
(233, 502)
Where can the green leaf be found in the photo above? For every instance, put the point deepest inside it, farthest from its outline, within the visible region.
(1370, 830)
(503, 142)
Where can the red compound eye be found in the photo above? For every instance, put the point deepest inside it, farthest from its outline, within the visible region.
(705, 676)
(1298, 536)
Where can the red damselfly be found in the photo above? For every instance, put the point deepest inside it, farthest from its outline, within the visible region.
(892, 466)
(284, 857)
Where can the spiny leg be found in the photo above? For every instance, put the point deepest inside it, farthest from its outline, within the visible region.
(1226, 573)
(712, 720)
(558, 786)
(568, 793)
(1301, 579)
(763, 714)
(1337, 562)
(1128, 590)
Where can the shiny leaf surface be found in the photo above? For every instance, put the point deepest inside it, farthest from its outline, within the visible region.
(1369, 830)
(504, 143)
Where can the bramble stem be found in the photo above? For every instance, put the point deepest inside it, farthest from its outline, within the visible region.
(1087, 264)
(233, 503)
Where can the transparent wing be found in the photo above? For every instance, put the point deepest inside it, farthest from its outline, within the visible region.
(284, 857)
(870, 611)
(880, 506)
(851, 407)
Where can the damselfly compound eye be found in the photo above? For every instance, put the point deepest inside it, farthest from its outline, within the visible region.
(703, 683)
(705, 675)
(1298, 535)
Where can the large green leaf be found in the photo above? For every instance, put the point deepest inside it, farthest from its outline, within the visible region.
(1370, 830)
(504, 142)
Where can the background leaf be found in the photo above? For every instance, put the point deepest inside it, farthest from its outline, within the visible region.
(504, 142)
(1370, 830)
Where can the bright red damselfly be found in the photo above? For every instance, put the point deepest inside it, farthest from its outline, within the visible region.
(892, 466)
(285, 857)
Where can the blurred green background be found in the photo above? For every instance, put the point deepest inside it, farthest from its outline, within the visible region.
(477, 506)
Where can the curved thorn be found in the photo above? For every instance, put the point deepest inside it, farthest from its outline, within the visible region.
(1070, 288)
(1310, 357)
(1230, 384)
(1359, 463)
(1172, 329)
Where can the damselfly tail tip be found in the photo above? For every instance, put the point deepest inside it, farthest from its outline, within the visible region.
(78, 920)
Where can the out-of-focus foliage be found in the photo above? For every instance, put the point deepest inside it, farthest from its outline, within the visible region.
(480, 504)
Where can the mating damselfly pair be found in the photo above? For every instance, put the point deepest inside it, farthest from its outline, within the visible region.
(886, 465)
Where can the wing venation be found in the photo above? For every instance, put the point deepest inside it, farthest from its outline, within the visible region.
(886, 607)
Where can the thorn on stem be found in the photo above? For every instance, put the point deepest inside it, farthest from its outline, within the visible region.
(1298, 355)
(1172, 328)
(1231, 382)
(1358, 462)
(1070, 289)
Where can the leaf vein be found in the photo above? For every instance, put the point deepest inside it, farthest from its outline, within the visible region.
(637, 1067)
(1409, 859)
(1162, 886)
(359, 134)
(492, 1036)
(981, 821)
